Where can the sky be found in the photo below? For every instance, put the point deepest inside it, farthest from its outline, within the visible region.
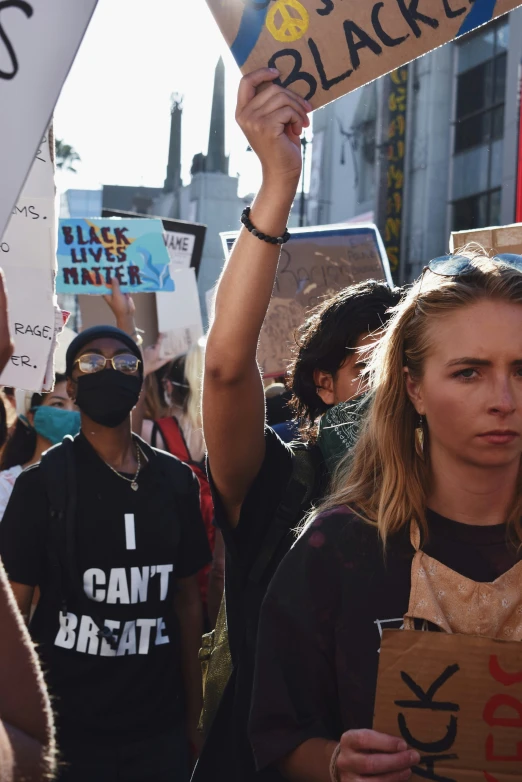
(115, 105)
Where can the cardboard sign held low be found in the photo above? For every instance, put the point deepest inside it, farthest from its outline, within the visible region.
(457, 700)
(326, 48)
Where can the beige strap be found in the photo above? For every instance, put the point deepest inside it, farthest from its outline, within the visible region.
(415, 537)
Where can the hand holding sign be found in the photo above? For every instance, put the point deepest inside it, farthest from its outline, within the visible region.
(367, 754)
(272, 120)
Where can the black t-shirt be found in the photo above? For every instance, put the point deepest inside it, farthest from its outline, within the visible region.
(323, 617)
(131, 547)
(227, 752)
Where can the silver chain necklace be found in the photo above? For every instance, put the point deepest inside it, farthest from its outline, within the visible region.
(133, 481)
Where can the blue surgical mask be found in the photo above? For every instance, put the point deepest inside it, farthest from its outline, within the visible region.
(54, 424)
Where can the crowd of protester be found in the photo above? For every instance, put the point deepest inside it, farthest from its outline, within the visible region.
(146, 502)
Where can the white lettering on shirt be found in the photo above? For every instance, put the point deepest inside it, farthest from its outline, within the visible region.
(164, 572)
(130, 532)
(92, 580)
(66, 637)
(118, 591)
(145, 626)
(88, 640)
(136, 636)
(139, 584)
(127, 643)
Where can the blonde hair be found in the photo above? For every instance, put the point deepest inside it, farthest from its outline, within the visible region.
(384, 480)
(194, 365)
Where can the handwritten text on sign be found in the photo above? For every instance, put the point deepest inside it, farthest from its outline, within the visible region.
(326, 48)
(457, 700)
(35, 57)
(315, 264)
(91, 253)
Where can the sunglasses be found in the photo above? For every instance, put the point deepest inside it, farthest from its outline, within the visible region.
(90, 363)
(458, 265)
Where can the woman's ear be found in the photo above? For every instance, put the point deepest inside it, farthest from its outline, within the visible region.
(414, 391)
(324, 386)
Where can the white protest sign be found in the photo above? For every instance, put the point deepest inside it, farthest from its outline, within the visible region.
(27, 256)
(179, 314)
(38, 42)
(180, 248)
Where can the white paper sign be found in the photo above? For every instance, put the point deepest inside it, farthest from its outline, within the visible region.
(38, 44)
(27, 256)
(180, 247)
(179, 314)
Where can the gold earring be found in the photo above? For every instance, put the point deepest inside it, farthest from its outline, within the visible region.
(419, 438)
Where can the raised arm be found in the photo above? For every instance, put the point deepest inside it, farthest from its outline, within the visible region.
(233, 400)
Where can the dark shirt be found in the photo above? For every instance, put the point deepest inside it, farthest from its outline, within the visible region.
(323, 617)
(132, 546)
(227, 753)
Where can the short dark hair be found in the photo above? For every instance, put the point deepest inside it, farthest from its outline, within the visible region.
(325, 339)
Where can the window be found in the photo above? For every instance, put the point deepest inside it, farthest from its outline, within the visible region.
(479, 127)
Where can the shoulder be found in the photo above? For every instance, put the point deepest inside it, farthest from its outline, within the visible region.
(173, 468)
(341, 532)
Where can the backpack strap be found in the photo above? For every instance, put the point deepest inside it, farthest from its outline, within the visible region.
(299, 493)
(173, 437)
(59, 474)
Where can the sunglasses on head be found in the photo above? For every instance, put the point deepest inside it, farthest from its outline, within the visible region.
(456, 265)
(90, 363)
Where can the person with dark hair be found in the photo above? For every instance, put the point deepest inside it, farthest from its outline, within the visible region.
(262, 487)
(43, 421)
(110, 530)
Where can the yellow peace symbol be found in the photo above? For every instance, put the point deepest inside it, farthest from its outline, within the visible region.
(292, 27)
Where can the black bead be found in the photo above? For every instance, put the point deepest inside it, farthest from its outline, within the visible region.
(254, 232)
(260, 235)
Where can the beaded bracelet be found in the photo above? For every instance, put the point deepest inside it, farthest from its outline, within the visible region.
(247, 222)
(334, 771)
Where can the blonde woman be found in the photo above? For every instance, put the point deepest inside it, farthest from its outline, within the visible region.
(433, 490)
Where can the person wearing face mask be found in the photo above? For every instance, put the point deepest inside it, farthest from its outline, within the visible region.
(44, 420)
(116, 559)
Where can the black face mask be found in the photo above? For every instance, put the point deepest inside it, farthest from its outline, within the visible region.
(107, 397)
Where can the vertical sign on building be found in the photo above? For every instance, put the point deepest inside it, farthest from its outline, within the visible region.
(396, 153)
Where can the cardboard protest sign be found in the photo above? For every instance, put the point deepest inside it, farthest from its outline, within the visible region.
(179, 315)
(326, 48)
(93, 252)
(27, 256)
(184, 241)
(36, 53)
(316, 263)
(504, 239)
(457, 700)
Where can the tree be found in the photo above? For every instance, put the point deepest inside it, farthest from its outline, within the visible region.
(66, 156)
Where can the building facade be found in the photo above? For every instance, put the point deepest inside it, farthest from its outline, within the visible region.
(429, 149)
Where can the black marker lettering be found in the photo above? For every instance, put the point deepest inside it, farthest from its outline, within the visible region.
(328, 8)
(134, 275)
(383, 36)
(19, 329)
(93, 236)
(96, 254)
(120, 236)
(98, 279)
(83, 254)
(413, 16)
(425, 699)
(429, 772)
(450, 12)
(440, 745)
(86, 277)
(296, 74)
(106, 234)
(326, 83)
(67, 234)
(28, 11)
(107, 270)
(118, 274)
(365, 42)
(70, 276)
(26, 361)
(80, 239)
(4, 247)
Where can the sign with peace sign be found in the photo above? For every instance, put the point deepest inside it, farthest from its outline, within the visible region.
(326, 48)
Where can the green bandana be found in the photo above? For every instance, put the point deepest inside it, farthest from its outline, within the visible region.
(339, 429)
